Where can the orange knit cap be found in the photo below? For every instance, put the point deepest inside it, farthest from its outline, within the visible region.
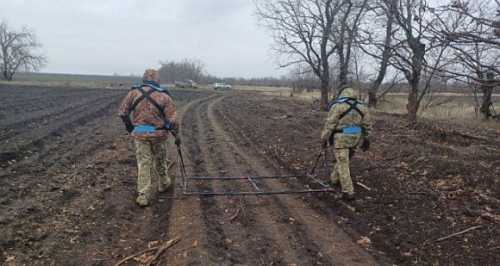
(151, 74)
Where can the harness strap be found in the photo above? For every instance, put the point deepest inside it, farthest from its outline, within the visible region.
(353, 106)
(152, 86)
(146, 95)
(139, 100)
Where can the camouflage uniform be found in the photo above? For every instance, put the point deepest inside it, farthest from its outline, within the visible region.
(151, 146)
(152, 162)
(345, 144)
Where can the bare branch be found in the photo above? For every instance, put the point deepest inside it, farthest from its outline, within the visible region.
(17, 50)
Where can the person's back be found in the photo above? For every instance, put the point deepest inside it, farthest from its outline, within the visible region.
(149, 114)
(159, 113)
(349, 120)
(347, 125)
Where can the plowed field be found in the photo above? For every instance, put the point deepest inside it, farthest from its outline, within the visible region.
(67, 187)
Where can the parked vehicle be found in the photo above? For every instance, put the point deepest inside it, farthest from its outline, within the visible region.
(222, 86)
(186, 84)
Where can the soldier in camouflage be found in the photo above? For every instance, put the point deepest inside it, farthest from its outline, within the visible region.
(347, 127)
(149, 114)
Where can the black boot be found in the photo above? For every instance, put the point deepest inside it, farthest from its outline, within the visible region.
(348, 196)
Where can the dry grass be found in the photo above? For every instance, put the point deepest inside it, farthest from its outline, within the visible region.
(443, 107)
(281, 91)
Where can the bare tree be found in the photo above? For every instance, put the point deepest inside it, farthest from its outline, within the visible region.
(484, 13)
(472, 31)
(181, 71)
(18, 51)
(416, 50)
(302, 31)
(378, 44)
(302, 78)
(345, 33)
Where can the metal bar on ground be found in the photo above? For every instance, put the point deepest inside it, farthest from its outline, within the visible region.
(254, 184)
(241, 177)
(323, 184)
(231, 193)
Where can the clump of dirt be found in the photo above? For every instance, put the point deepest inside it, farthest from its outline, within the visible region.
(420, 184)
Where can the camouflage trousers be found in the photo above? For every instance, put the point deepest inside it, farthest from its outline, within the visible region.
(341, 172)
(151, 163)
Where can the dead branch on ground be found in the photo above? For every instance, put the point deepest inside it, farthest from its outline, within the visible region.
(160, 249)
(459, 233)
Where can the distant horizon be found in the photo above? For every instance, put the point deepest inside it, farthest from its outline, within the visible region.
(79, 74)
(123, 75)
(129, 75)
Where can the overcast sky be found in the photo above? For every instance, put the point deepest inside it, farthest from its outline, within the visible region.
(126, 36)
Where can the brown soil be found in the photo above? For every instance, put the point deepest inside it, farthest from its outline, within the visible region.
(425, 183)
(67, 187)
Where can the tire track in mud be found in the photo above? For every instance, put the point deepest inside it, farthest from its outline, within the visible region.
(274, 215)
(210, 211)
(246, 237)
(186, 213)
(332, 243)
(267, 232)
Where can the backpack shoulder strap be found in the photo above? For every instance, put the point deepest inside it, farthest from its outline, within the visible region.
(353, 106)
(147, 95)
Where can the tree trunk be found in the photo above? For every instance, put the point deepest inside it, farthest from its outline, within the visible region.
(324, 94)
(386, 55)
(6, 75)
(486, 102)
(343, 74)
(372, 98)
(412, 106)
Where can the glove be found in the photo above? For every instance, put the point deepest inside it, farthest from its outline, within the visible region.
(128, 124)
(178, 140)
(169, 125)
(365, 145)
(130, 128)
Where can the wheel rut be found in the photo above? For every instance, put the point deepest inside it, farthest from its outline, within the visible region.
(246, 232)
(218, 239)
(187, 216)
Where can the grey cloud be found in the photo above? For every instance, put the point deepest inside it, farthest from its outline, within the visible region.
(125, 36)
